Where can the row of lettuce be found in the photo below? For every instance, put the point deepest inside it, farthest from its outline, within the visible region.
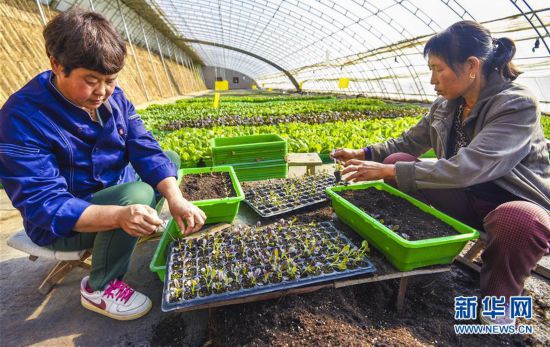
(309, 123)
(193, 144)
(265, 110)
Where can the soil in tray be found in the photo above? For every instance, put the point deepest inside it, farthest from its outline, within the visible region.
(398, 214)
(215, 185)
(355, 315)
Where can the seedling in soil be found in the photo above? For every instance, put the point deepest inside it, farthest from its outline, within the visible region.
(276, 197)
(284, 253)
(337, 171)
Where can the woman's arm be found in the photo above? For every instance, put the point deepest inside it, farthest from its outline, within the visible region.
(136, 220)
(189, 217)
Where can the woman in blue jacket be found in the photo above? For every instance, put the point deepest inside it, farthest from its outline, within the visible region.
(66, 139)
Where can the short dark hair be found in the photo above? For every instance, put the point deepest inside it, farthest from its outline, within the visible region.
(468, 38)
(84, 39)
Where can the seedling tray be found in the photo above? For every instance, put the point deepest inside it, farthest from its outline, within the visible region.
(405, 255)
(266, 258)
(248, 149)
(277, 197)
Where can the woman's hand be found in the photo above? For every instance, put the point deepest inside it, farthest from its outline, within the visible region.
(184, 211)
(345, 154)
(361, 170)
(138, 220)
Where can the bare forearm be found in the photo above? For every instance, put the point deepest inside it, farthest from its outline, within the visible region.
(188, 217)
(168, 187)
(98, 218)
(359, 154)
(389, 172)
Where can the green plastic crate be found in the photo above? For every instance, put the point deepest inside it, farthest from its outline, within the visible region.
(216, 210)
(248, 149)
(189, 164)
(325, 157)
(261, 171)
(405, 255)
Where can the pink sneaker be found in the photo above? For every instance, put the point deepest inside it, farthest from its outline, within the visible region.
(117, 301)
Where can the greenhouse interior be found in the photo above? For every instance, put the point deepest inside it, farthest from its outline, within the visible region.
(275, 172)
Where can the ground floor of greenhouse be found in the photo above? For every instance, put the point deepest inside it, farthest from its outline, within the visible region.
(361, 314)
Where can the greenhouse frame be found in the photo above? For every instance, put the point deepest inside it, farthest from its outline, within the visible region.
(376, 44)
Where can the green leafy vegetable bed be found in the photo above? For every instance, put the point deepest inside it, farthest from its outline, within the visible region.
(192, 144)
(309, 123)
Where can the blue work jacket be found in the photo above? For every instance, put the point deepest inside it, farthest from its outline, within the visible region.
(54, 157)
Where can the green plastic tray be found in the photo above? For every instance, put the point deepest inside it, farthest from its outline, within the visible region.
(216, 210)
(158, 263)
(405, 255)
(248, 149)
(263, 170)
(429, 154)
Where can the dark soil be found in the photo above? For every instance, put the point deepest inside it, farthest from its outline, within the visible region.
(398, 214)
(171, 331)
(361, 315)
(215, 185)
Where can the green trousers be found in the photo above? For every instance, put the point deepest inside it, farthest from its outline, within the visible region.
(111, 250)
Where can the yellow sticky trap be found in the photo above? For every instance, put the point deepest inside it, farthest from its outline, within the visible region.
(301, 85)
(343, 83)
(270, 90)
(254, 87)
(216, 100)
(222, 85)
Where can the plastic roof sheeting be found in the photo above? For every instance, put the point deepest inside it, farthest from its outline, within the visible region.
(377, 44)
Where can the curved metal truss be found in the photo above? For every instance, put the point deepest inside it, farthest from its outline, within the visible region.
(377, 44)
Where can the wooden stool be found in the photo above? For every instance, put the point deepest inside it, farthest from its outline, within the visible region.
(309, 160)
(66, 260)
(542, 268)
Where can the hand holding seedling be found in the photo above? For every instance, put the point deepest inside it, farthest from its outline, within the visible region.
(189, 217)
(138, 220)
(361, 170)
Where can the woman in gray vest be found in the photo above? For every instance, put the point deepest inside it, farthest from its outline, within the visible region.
(492, 170)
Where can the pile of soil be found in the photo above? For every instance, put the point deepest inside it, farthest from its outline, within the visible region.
(215, 185)
(358, 315)
(398, 214)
